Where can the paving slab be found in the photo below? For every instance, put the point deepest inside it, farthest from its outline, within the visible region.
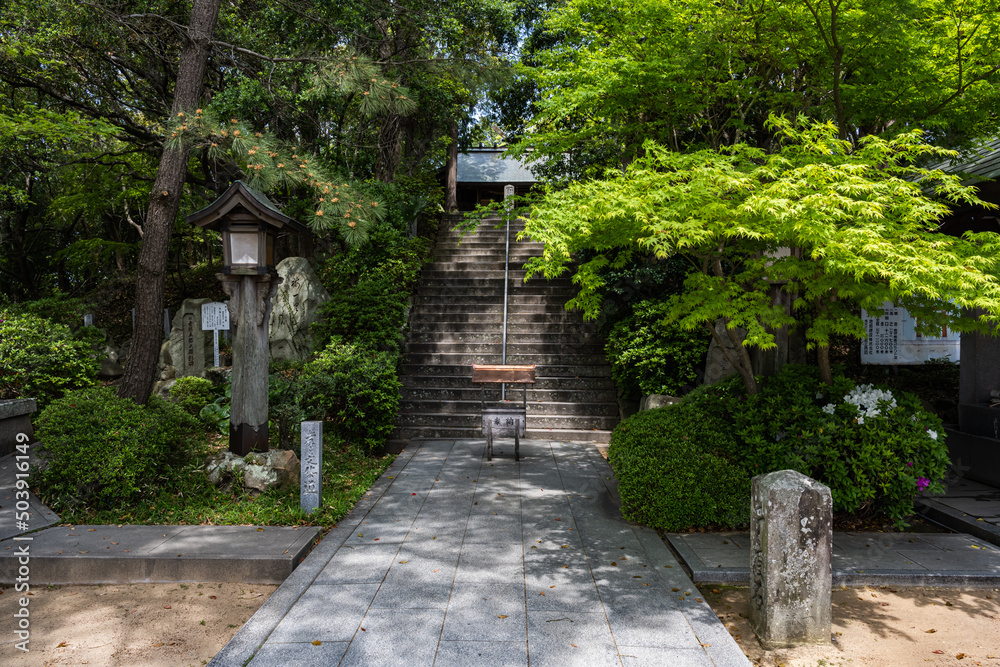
(154, 554)
(916, 559)
(544, 571)
(12, 522)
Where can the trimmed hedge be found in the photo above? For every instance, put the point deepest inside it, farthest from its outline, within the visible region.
(101, 450)
(675, 467)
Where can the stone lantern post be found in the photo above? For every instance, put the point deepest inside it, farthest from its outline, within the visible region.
(249, 222)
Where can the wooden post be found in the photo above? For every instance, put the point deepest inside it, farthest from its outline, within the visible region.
(249, 313)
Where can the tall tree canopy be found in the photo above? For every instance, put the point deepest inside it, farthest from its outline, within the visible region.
(707, 74)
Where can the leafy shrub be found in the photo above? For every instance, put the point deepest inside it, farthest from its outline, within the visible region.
(354, 387)
(192, 393)
(369, 288)
(874, 448)
(40, 359)
(101, 450)
(690, 463)
(371, 313)
(650, 357)
(676, 466)
(61, 309)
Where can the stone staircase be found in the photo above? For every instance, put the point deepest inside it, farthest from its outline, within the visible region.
(457, 321)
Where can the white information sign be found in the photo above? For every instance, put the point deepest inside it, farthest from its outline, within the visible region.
(893, 339)
(215, 316)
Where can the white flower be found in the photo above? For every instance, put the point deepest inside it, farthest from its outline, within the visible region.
(829, 408)
(861, 420)
(819, 395)
(933, 434)
(913, 418)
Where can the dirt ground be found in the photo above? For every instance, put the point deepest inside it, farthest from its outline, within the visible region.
(882, 626)
(168, 625)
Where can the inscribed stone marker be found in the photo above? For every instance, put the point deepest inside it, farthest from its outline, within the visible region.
(312, 466)
(791, 543)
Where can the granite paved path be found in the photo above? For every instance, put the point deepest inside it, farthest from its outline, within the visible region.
(454, 560)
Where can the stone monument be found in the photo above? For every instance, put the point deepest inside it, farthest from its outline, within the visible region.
(791, 543)
(717, 367)
(296, 307)
(189, 349)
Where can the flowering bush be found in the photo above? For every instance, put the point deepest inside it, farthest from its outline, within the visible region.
(875, 449)
(690, 463)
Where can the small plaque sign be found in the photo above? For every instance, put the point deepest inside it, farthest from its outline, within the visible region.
(214, 316)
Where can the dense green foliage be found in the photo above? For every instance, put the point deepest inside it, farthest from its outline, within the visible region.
(192, 393)
(353, 387)
(348, 471)
(859, 220)
(103, 451)
(650, 357)
(875, 451)
(41, 359)
(603, 77)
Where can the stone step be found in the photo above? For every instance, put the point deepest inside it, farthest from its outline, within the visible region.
(477, 392)
(523, 247)
(469, 358)
(545, 370)
(602, 385)
(554, 408)
(495, 335)
(494, 287)
(469, 264)
(474, 420)
(493, 323)
(403, 435)
(531, 312)
(477, 295)
(574, 349)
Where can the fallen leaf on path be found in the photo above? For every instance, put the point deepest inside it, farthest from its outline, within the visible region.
(61, 645)
(938, 652)
(158, 645)
(931, 631)
(501, 616)
(317, 642)
(166, 606)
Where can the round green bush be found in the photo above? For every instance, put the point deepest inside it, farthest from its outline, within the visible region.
(40, 359)
(650, 357)
(192, 393)
(675, 465)
(100, 450)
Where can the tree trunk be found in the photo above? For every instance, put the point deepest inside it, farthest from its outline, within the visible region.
(390, 147)
(823, 361)
(451, 186)
(163, 204)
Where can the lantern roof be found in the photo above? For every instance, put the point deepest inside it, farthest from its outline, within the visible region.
(240, 196)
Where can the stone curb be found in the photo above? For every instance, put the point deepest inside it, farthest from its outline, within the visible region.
(740, 576)
(956, 520)
(249, 638)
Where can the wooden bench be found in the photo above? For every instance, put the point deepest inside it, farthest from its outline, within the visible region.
(503, 420)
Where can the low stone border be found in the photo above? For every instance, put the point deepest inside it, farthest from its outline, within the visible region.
(956, 520)
(15, 418)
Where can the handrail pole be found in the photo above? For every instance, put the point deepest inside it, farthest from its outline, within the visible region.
(506, 273)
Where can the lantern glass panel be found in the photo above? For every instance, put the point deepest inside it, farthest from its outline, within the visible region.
(245, 247)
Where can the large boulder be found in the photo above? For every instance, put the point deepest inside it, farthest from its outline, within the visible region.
(295, 307)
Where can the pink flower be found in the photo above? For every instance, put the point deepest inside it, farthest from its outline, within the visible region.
(922, 483)
(909, 464)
